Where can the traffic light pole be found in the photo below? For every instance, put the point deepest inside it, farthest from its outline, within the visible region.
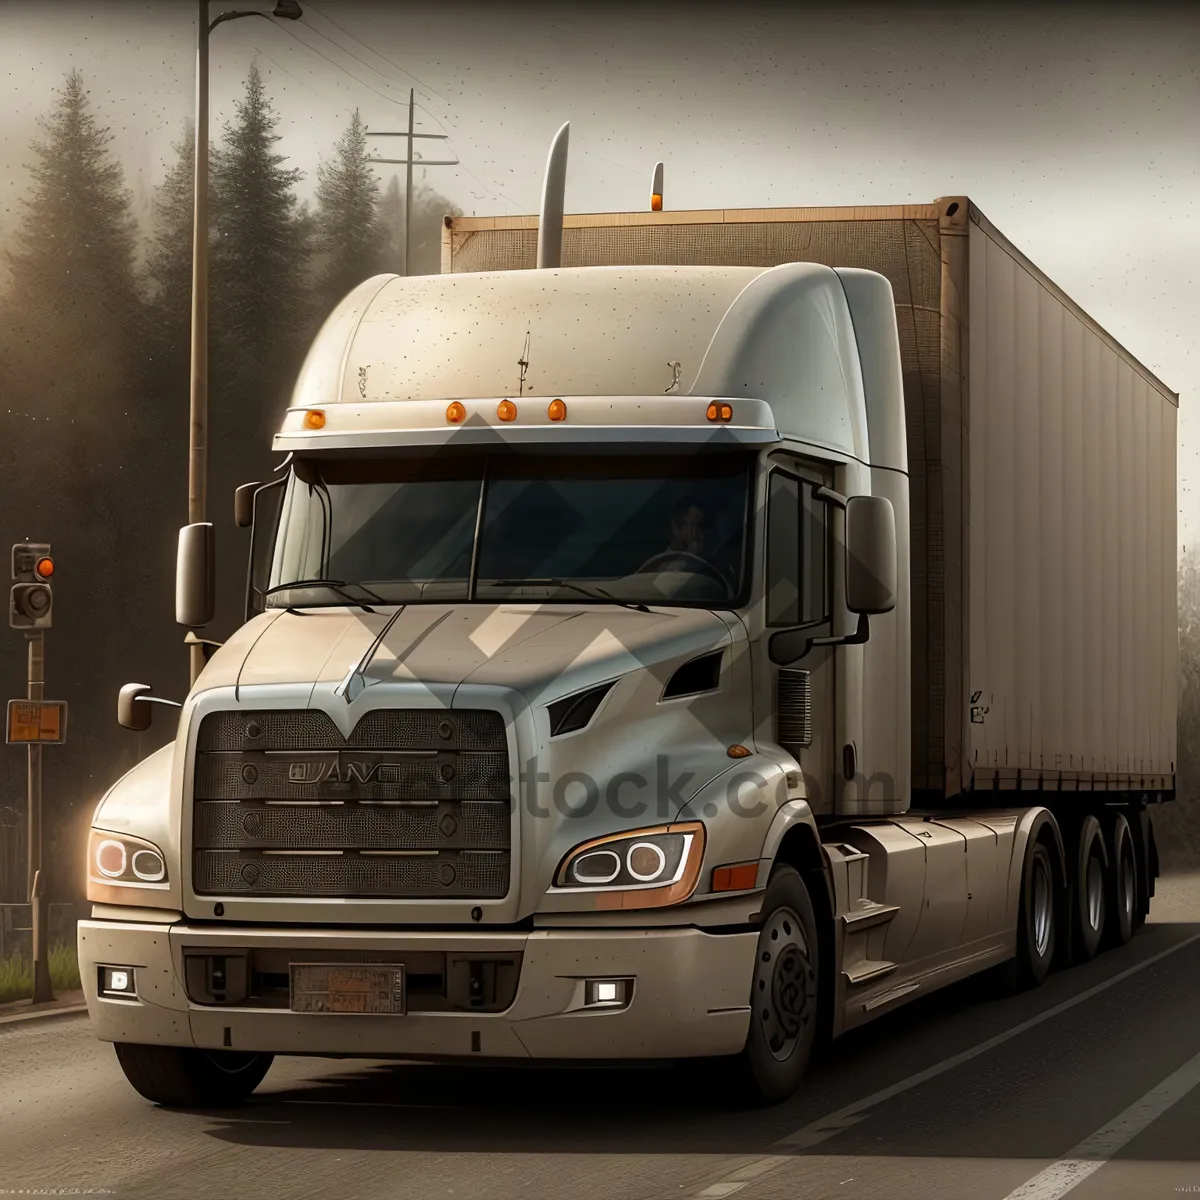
(42, 991)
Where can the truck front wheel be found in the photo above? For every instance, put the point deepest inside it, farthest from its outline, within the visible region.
(784, 994)
(180, 1077)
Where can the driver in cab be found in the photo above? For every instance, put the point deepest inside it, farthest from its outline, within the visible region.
(688, 535)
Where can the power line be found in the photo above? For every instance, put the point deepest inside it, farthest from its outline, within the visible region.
(390, 63)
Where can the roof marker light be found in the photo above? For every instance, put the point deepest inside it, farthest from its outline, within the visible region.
(456, 414)
(557, 411)
(314, 419)
(719, 412)
(506, 410)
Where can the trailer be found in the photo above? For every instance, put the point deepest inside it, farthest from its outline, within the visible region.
(684, 636)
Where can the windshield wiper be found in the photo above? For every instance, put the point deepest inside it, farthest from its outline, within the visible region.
(593, 593)
(337, 586)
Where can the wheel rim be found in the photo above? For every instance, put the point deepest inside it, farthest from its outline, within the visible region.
(1042, 908)
(784, 983)
(1095, 893)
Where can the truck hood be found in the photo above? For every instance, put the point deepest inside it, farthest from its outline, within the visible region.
(534, 649)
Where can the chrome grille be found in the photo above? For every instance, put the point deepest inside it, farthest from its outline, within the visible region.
(413, 805)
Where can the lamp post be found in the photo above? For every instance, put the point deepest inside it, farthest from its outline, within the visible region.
(287, 10)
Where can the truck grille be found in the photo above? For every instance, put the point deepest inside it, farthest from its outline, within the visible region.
(413, 805)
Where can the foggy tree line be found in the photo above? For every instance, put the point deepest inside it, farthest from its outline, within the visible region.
(94, 384)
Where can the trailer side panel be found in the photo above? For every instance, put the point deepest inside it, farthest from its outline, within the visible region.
(1071, 640)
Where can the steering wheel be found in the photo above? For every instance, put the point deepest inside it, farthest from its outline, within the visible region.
(703, 566)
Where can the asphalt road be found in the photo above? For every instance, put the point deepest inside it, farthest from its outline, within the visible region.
(1089, 1085)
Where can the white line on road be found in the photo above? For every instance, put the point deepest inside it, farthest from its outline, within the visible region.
(67, 1010)
(841, 1120)
(835, 1123)
(1093, 1152)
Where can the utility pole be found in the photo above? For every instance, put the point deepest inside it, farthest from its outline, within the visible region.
(34, 722)
(408, 161)
(288, 10)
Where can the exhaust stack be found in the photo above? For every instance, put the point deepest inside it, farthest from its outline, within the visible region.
(656, 189)
(554, 187)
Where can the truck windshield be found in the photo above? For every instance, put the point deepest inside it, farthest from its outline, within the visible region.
(638, 529)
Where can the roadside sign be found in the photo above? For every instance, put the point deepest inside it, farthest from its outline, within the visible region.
(36, 722)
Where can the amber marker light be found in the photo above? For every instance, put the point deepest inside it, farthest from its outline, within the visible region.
(456, 414)
(557, 411)
(739, 751)
(44, 568)
(314, 419)
(506, 410)
(737, 877)
(719, 412)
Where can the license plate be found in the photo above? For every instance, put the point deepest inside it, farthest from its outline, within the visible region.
(347, 988)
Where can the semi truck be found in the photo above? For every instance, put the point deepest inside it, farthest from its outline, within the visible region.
(669, 636)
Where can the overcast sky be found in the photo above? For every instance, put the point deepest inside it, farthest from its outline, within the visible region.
(1075, 129)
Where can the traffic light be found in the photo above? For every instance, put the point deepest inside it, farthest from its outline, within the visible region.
(31, 600)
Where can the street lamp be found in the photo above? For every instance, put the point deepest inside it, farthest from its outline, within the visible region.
(287, 10)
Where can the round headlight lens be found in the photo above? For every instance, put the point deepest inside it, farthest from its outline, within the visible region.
(110, 858)
(600, 866)
(148, 866)
(645, 861)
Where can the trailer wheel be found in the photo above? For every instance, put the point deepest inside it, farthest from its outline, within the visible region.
(180, 1077)
(1123, 897)
(1092, 886)
(784, 995)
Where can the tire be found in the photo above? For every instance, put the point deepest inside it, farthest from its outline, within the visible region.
(1091, 890)
(784, 999)
(1123, 884)
(1037, 922)
(181, 1077)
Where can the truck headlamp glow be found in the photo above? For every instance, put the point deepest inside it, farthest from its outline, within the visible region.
(115, 858)
(643, 869)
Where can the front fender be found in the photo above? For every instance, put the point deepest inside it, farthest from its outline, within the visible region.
(139, 804)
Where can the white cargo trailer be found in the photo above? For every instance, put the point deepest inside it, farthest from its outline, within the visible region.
(762, 620)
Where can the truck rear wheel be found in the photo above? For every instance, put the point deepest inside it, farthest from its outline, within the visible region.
(784, 995)
(1123, 891)
(1091, 890)
(180, 1077)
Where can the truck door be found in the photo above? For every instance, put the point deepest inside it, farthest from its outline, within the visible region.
(798, 596)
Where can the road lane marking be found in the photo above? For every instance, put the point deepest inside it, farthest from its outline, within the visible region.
(1095, 1150)
(833, 1124)
(844, 1118)
(67, 1010)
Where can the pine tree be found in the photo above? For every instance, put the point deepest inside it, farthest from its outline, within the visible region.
(169, 265)
(258, 255)
(72, 304)
(430, 207)
(349, 233)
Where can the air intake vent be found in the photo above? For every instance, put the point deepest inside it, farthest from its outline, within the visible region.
(702, 674)
(794, 709)
(573, 713)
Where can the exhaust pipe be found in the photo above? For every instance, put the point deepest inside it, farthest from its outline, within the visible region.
(554, 187)
(656, 189)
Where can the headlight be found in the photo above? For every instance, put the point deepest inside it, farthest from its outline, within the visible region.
(117, 858)
(645, 869)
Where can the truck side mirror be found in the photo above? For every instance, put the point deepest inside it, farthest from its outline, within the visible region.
(132, 711)
(195, 576)
(870, 555)
(243, 505)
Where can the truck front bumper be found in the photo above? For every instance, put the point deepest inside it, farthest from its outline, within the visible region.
(689, 997)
